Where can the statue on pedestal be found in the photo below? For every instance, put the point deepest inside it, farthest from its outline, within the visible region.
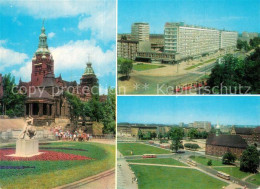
(29, 130)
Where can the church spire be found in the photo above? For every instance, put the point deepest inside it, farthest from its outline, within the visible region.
(43, 38)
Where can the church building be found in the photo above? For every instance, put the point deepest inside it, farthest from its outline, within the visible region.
(45, 92)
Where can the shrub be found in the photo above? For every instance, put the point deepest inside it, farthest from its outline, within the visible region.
(228, 158)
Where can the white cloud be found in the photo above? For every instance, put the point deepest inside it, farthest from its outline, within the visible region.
(102, 25)
(55, 9)
(9, 57)
(24, 72)
(51, 35)
(98, 16)
(75, 54)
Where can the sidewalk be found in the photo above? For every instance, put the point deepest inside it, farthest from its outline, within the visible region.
(124, 174)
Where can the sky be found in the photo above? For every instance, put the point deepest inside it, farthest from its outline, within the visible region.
(234, 15)
(77, 30)
(227, 110)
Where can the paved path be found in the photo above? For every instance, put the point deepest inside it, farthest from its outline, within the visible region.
(162, 165)
(104, 180)
(124, 174)
(247, 177)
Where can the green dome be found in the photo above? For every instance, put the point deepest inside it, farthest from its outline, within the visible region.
(89, 70)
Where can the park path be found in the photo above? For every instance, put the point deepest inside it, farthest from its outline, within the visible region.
(124, 174)
(162, 165)
(104, 180)
(247, 177)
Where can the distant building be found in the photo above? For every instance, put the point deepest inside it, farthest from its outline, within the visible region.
(140, 31)
(228, 40)
(132, 130)
(181, 124)
(219, 145)
(251, 135)
(157, 42)
(246, 36)
(202, 124)
(127, 48)
(190, 125)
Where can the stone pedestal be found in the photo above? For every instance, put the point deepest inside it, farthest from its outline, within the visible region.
(27, 147)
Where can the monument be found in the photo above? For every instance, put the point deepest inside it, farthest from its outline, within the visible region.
(26, 144)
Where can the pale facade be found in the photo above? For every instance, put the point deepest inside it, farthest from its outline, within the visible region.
(193, 41)
(127, 49)
(140, 31)
(228, 39)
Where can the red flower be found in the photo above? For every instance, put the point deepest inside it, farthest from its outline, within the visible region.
(45, 156)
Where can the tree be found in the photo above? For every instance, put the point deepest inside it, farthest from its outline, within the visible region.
(13, 102)
(125, 66)
(193, 133)
(140, 134)
(123, 37)
(153, 135)
(243, 45)
(209, 163)
(176, 134)
(235, 75)
(109, 112)
(249, 161)
(255, 42)
(76, 108)
(228, 158)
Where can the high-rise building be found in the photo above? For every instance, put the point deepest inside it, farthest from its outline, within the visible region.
(228, 39)
(193, 41)
(140, 31)
(202, 124)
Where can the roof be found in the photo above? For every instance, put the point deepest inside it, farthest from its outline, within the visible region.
(257, 130)
(244, 131)
(89, 70)
(41, 94)
(234, 141)
(49, 81)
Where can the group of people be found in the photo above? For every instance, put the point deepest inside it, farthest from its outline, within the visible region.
(67, 135)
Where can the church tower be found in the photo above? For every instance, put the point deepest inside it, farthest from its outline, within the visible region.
(42, 62)
(89, 83)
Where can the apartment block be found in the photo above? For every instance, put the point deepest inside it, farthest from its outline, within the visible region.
(140, 31)
(188, 41)
(127, 48)
(228, 40)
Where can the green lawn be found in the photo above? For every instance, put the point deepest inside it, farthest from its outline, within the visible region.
(203, 160)
(233, 171)
(166, 161)
(139, 149)
(142, 67)
(49, 174)
(254, 179)
(168, 178)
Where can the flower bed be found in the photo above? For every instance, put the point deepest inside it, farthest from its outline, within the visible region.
(46, 156)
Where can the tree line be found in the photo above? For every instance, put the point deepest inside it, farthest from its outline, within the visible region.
(237, 76)
(94, 109)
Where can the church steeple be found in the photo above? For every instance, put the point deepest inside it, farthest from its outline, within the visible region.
(43, 38)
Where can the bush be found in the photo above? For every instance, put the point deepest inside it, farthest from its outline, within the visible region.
(191, 146)
(228, 158)
(209, 162)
